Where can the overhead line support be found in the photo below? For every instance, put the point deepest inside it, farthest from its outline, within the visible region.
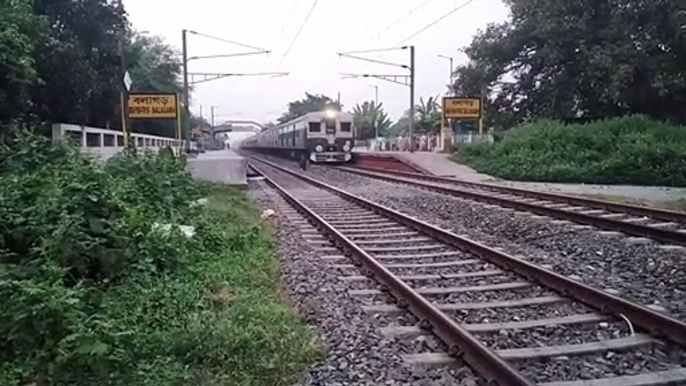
(409, 80)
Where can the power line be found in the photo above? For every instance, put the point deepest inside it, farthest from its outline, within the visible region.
(415, 9)
(373, 50)
(302, 26)
(226, 40)
(287, 23)
(437, 21)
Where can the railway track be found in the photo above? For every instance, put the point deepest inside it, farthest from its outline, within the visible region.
(641, 223)
(512, 321)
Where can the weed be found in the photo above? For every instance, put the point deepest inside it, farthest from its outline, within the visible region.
(628, 150)
(94, 293)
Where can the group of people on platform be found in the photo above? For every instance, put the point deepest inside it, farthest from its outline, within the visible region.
(422, 142)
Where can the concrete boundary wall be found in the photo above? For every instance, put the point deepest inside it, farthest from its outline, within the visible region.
(106, 143)
(224, 166)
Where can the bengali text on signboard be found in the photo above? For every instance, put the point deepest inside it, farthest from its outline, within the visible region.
(462, 108)
(153, 106)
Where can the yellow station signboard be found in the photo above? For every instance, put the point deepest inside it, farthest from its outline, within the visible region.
(462, 108)
(153, 106)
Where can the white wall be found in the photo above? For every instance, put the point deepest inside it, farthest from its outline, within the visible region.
(107, 143)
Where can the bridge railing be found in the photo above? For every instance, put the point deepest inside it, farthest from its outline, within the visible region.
(106, 143)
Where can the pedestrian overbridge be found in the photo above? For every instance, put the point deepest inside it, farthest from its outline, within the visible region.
(235, 131)
(237, 126)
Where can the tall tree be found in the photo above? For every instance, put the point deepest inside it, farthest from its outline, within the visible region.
(20, 28)
(154, 65)
(370, 118)
(311, 103)
(79, 64)
(581, 58)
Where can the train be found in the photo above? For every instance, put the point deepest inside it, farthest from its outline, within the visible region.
(322, 137)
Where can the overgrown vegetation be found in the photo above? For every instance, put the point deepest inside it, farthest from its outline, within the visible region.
(629, 150)
(96, 290)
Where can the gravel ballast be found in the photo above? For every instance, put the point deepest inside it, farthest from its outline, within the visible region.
(640, 272)
(355, 352)
(539, 370)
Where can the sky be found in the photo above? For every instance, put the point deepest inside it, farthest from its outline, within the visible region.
(313, 63)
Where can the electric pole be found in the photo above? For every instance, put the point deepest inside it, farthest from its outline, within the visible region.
(411, 99)
(209, 76)
(404, 80)
(450, 78)
(376, 94)
(186, 92)
(212, 126)
(376, 103)
(126, 130)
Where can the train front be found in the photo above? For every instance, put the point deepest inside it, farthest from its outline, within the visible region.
(330, 137)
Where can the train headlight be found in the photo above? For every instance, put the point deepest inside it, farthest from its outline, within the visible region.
(319, 148)
(331, 114)
(346, 147)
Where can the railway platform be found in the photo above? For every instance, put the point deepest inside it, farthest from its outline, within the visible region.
(431, 163)
(439, 164)
(221, 166)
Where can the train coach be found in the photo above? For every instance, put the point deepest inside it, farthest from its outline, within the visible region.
(322, 137)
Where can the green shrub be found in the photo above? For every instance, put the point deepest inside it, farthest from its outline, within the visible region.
(628, 150)
(95, 292)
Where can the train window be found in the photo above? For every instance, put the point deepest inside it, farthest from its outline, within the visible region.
(346, 127)
(315, 127)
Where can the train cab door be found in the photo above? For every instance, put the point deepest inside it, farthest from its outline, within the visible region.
(330, 130)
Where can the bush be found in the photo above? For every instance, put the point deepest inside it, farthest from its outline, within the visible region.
(628, 150)
(96, 292)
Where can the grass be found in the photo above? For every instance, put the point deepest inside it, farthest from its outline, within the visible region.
(225, 322)
(94, 292)
(628, 150)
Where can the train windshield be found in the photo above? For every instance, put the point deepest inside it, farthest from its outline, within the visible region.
(330, 126)
(315, 127)
(345, 127)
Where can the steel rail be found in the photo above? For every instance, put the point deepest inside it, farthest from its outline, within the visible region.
(461, 344)
(647, 319)
(661, 214)
(664, 235)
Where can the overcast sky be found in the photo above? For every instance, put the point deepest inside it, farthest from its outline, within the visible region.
(314, 66)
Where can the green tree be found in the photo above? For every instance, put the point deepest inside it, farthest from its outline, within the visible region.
(311, 103)
(583, 58)
(154, 65)
(370, 119)
(428, 116)
(78, 63)
(19, 29)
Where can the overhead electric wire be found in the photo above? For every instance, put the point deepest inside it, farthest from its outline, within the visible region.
(287, 23)
(302, 26)
(415, 9)
(226, 40)
(437, 21)
(372, 50)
